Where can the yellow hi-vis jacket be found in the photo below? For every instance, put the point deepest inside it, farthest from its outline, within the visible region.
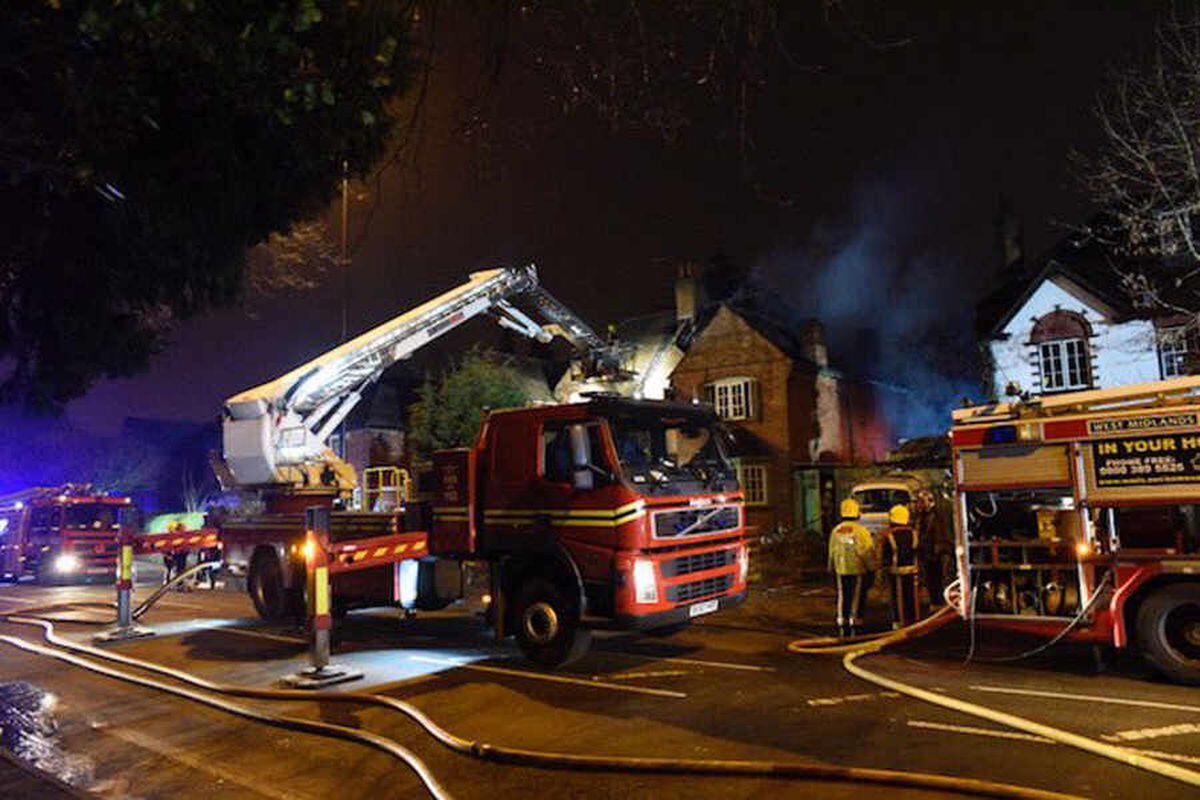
(851, 549)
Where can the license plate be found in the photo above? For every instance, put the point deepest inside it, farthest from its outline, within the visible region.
(707, 607)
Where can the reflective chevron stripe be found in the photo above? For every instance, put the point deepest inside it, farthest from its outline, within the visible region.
(582, 517)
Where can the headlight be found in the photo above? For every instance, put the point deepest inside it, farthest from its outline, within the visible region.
(744, 563)
(645, 587)
(66, 562)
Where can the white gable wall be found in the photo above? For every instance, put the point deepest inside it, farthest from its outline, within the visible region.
(1122, 353)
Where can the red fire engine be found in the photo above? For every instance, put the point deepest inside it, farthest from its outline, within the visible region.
(1077, 517)
(59, 534)
(612, 510)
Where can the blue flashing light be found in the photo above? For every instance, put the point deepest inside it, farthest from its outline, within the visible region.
(1000, 434)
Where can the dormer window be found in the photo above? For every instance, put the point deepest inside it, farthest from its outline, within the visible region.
(1060, 341)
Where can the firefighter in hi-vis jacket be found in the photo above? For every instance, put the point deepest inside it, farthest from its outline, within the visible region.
(852, 559)
(900, 552)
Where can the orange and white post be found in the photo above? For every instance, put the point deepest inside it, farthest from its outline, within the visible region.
(127, 627)
(320, 671)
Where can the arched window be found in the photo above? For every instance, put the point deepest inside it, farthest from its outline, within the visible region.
(1064, 358)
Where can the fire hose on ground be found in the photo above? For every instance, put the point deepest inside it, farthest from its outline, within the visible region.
(483, 751)
(856, 649)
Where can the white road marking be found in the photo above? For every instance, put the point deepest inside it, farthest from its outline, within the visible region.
(551, 678)
(177, 604)
(694, 661)
(1137, 734)
(719, 664)
(850, 698)
(1185, 759)
(188, 760)
(942, 726)
(263, 635)
(632, 676)
(1087, 698)
(20, 600)
(1029, 737)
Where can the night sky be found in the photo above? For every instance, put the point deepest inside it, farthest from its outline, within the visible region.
(900, 159)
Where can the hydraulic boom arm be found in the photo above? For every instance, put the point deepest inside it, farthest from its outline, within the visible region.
(276, 433)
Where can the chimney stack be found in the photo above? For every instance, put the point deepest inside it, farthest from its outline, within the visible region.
(687, 292)
(812, 340)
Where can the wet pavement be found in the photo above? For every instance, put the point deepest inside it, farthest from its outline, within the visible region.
(725, 688)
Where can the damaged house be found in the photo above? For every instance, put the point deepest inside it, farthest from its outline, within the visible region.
(797, 420)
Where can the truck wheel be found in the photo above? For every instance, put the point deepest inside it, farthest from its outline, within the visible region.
(547, 624)
(1168, 632)
(45, 571)
(265, 585)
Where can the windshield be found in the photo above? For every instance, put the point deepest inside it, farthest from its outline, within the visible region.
(91, 516)
(680, 453)
(880, 501)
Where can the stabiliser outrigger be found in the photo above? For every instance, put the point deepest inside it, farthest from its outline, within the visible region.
(617, 512)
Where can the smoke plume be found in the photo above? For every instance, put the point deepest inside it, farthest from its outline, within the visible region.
(898, 308)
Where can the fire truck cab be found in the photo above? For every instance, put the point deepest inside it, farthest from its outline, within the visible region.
(1078, 515)
(59, 534)
(619, 512)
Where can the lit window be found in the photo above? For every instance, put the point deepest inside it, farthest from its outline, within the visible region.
(1064, 365)
(753, 479)
(1172, 352)
(733, 398)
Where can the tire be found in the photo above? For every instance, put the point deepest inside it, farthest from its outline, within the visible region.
(45, 575)
(1168, 632)
(266, 589)
(547, 625)
(669, 630)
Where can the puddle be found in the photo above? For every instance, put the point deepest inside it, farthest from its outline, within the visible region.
(29, 729)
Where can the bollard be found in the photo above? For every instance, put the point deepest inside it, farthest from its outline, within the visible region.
(127, 627)
(320, 671)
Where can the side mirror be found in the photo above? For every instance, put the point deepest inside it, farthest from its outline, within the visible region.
(582, 479)
(581, 458)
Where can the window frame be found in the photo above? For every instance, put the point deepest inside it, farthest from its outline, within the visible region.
(597, 444)
(764, 472)
(735, 399)
(1172, 343)
(1056, 364)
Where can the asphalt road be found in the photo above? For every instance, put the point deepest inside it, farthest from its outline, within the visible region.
(726, 688)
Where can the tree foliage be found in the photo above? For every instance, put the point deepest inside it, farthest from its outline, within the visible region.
(147, 145)
(449, 409)
(1145, 175)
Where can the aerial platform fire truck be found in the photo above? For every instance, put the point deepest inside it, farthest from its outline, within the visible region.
(616, 512)
(1077, 517)
(59, 534)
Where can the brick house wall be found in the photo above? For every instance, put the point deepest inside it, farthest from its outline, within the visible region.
(729, 347)
(806, 416)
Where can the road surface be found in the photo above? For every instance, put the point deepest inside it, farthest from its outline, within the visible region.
(725, 688)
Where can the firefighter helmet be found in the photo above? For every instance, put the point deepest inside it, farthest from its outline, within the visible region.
(850, 509)
(898, 515)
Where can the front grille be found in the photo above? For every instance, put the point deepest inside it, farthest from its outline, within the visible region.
(93, 550)
(686, 592)
(686, 565)
(695, 521)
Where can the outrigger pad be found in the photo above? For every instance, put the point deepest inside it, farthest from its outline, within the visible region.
(119, 634)
(318, 678)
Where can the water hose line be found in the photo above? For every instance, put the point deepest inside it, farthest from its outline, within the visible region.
(498, 753)
(864, 646)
